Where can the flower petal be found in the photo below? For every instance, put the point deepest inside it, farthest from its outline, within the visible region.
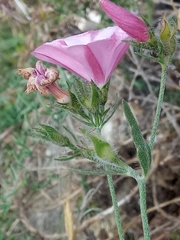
(31, 85)
(98, 74)
(40, 68)
(61, 55)
(26, 72)
(110, 51)
(92, 55)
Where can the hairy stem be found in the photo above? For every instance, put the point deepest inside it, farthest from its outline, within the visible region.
(115, 205)
(142, 193)
(159, 105)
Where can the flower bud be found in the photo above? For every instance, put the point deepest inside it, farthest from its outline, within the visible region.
(165, 30)
(167, 36)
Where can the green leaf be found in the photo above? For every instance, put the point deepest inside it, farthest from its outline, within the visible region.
(66, 158)
(113, 109)
(50, 134)
(72, 134)
(74, 104)
(144, 156)
(82, 121)
(13, 173)
(91, 155)
(142, 147)
(104, 151)
(77, 107)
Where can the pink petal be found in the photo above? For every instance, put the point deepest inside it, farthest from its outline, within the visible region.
(132, 25)
(39, 78)
(95, 66)
(109, 51)
(58, 54)
(92, 55)
(40, 68)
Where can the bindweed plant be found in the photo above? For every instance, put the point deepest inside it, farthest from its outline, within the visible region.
(93, 56)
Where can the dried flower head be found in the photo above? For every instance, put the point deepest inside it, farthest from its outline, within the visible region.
(43, 79)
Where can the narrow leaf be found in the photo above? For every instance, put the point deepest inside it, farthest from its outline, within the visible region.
(68, 157)
(82, 121)
(114, 108)
(50, 134)
(72, 134)
(143, 149)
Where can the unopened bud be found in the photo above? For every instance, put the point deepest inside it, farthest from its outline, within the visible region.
(165, 31)
(167, 36)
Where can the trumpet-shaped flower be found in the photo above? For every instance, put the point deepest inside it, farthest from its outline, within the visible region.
(132, 25)
(43, 79)
(92, 55)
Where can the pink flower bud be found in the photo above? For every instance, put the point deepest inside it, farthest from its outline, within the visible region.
(129, 23)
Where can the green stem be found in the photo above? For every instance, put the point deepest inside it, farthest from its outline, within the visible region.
(159, 105)
(142, 193)
(115, 205)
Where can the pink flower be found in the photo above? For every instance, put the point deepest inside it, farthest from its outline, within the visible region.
(43, 79)
(92, 55)
(132, 25)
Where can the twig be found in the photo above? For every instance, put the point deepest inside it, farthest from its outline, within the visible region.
(58, 202)
(156, 203)
(108, 211)
(14, 224)
(6, 132)
(87, 198)
(152, 209)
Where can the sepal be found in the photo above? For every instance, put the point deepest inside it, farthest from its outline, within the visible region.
(87, 104)
(110, 111)
(162, 42)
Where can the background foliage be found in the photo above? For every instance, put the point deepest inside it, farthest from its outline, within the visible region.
(33, 187)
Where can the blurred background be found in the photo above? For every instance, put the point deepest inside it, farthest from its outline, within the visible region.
(37, 193)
